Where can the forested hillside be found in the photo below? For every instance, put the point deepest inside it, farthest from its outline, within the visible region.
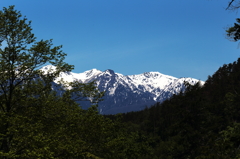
(202, 122)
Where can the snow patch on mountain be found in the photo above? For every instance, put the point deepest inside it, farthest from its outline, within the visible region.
(70, 76)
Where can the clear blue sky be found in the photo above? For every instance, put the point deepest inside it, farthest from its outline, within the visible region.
(181, 38)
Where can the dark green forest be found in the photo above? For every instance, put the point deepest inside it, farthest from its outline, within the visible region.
(37, 123)
(202, 122)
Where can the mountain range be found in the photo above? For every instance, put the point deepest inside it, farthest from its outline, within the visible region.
(125, 93)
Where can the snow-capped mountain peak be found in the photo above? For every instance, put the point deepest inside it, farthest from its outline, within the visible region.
(71, 76)
(130, 92)
(155, 79)
(88, 75)
(109, 71)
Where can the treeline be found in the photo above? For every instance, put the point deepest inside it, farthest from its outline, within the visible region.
(203, 122)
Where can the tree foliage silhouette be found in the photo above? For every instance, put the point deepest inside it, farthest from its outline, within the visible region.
(35, 121)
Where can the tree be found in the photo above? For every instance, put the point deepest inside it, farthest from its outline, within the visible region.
(234, 32)
(35, 121)
(233, 5)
